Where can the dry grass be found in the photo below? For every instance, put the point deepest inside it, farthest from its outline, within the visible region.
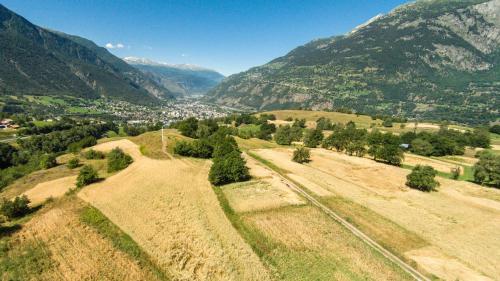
(363, 121)
(254, 143)
(442, 166)
(75, 251)
(302, 243)
(28, 182)
(50, 189)
(266, 191)
(461, 220)
(168, 207)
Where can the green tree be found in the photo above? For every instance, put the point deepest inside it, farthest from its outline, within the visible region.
(188, 127)
(118, 160)
(422, 178)
(421, 147)
(487, 169)
(73, 163)
(86, 176)
(228, 168)
(266, 130)
(301, 155)
(301, 123)
(283, 135)
(385, 147)
(313, 137)
(7, 153)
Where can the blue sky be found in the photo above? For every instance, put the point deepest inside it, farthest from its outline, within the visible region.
(229, 36)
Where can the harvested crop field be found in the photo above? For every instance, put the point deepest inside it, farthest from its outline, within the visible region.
(302, 243)
(63, 248)
(169, 208)
(266, 191)
(461, 221)
(50, 189)
(442, 166)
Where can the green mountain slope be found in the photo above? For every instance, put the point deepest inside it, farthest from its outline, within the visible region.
(184, 80)
(37, 61)
(428, 59)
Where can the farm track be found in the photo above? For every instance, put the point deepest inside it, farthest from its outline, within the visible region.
(354, 230)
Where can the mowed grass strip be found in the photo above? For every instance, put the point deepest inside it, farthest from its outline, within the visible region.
(123, 242)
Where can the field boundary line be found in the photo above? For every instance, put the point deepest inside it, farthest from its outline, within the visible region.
(354, 230)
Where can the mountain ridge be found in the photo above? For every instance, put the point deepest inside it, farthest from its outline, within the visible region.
(427, 59)
(180, 79)
(39, 61)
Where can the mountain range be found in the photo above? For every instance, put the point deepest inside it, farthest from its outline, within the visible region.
(38, 61)
(429, 59)
(180, 79)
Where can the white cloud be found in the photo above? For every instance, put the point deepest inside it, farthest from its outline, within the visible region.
(117, 46)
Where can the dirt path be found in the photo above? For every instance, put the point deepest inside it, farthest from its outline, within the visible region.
(169, 208)
(358, 233)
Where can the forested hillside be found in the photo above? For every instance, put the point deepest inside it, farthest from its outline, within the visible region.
(428, 59)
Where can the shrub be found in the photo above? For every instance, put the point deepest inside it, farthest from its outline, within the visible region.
(387, 123)
(93, 154)
(301, 123)
(301, 155)
(422, 178)
(313, 137)
(85, 142)
(289, 119)
(73, 163)
(228, 168)
(118, 160)
(86, 176)
(15, 208)
(7, 153)
(495, 129)
(266, 131)
(47, 161)
(455, 173)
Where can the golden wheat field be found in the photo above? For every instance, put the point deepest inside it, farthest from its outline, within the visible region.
(72, 250)
(168, 207)
(460, 222)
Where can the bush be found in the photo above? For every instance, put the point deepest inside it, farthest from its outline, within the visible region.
(93, 154)
(301, 123)
(487, 169)
(47, 161)
(118, 160)
(422, 178)
(73, 163)
(495, 129)
(79, 145)
(301, 155)
(228, 168)
(15, 208)
(266, 131)
(7, 154)
(455, 173)
(313, 137)
(86, 176)
(387, 123)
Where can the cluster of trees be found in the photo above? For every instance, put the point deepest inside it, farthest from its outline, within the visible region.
(445, 141)
(135, 130)
(39, 152)
(495, 129)
(287, 134)
(487, 169)
(213, 142)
